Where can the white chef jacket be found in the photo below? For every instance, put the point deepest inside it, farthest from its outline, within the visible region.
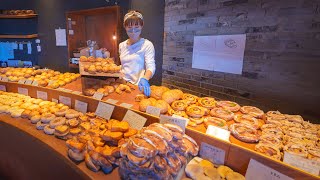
(136, 59)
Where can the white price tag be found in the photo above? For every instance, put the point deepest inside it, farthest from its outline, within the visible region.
(308, 165)
(126, 105)
(112, 101)
(3, 88)
(212, 153)
(98, 95)
(23, 91)
(153, 111)
(65, 100)
(174, 120)
(135, 120)
(55, 100)
(34, 83)
(256, 169)
(81, 106)
(28, 82)
(21, 81)
(5, 79)
(104, 110)
(77, 92)
(218, 133)
(42, 95)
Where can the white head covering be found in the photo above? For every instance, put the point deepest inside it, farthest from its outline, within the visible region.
(132, 13)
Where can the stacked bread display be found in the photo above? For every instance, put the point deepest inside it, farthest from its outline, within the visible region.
(43, 77)
(93, 65)
(159, 151)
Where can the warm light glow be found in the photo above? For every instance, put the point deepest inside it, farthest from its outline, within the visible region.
(114, 37)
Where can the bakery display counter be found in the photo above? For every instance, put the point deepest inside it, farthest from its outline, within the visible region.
(237, 153)
(27, 153)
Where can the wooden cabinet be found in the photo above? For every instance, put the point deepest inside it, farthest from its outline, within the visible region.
(101, 25)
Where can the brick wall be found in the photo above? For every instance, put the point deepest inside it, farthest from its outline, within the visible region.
(281, 68)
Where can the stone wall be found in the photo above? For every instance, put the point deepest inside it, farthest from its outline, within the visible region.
(282, 55)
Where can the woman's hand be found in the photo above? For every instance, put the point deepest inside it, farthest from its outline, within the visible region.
(145, 86)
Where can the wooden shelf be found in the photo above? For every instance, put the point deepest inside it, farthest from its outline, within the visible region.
(29, 36)
(21, 16)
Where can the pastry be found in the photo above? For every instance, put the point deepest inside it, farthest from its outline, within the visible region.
(244, 132)
(57, 122)
(89, 92)
(144, 103)
(272, 140)
(75, 131)
(224, 171)
(162, 105)
(269, 150)
(157, 91)
(222, 113)
(130, 133)
(40, 125)
(78, 157)
(296, 149)
(70, 114)
(253, 111)
(179, 105)
(235, 176)
(247, 119)
(172, 95)
(61, 130)
(294, 118)
(195, 111)
(34, 119)
(109, 136)
(140, 97)
(72, 123)
(178, 113)
(275, 115)
(214, 121)
(207, 102)
(46, 118)
(229, 105)
(195, 121)
(120, 126)
(103, 91)
(48, 130)
(61, 112)
(191, 99)
(314, 154)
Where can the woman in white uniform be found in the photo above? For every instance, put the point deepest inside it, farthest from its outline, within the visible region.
(137, 54)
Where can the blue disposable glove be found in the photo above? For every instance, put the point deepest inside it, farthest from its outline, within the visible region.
(145, 86)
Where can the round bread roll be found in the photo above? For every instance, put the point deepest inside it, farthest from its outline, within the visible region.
(144, 103)
(162, 105)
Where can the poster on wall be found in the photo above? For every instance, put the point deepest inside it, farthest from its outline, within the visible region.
(223, 53)
(61, 38)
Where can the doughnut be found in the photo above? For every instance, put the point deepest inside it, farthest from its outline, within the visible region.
(46, 118)
(222, 113)
(40, 125)
(229, 105)
(34, 119)
(214, 121)
(73, 123)
(195, 111)
(57, 121)
(207, 102)
(244, 132)
(191, 99)
(61, 112)
(247, 119)
(70, 114)
(48, 130)
(253, 111)
(179, 105)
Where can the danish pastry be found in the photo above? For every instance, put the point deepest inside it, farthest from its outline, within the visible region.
(89, 92)
(207, 102)
(269, 150)
(191, 99)
(179, 105)
(253, 111)
(195, 111)
(229, 105)
(244, 132)
(247, 119)
(296, 149)
(214, 121)
(222, 113)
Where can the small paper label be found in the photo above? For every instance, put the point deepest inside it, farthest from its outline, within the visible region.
(112, 101)
(34, 83)
(218, 133)
(98, 95)
(65, 100)
(174, 120)
(81, 106)
(212, 153)
(28, 82)
(153, 111)
(126, 105)
(104, 110)
(21, 81)
(55, 100)
(77, 92)
(256, 169)
(42, 95)
(308, 165)
(23, 91)
(5, 79)
(135, 120)
(3, 88)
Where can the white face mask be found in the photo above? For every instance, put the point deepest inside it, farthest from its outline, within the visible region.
(134, 33)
